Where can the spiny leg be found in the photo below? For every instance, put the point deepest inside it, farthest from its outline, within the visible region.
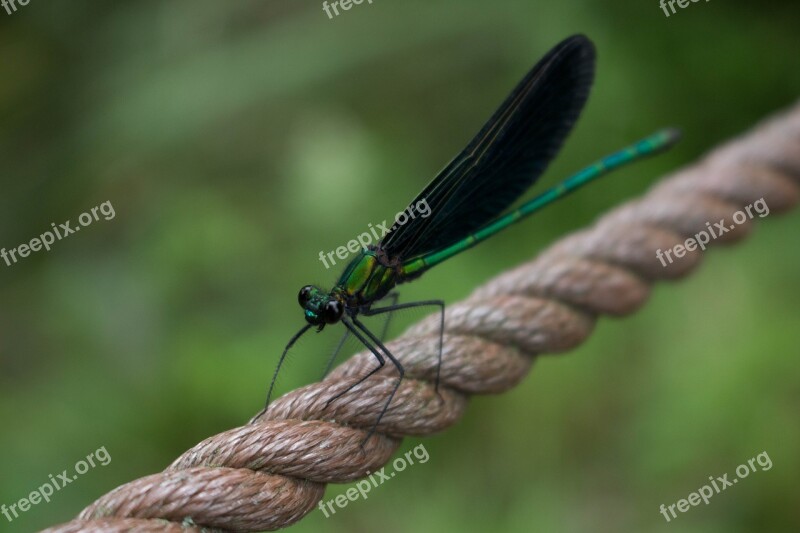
(336, 351)
(278, 368)
(397, 364)
(378, 356)
(393, 296)
(423, 303)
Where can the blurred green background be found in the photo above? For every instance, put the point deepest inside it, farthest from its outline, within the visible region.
(237, 139)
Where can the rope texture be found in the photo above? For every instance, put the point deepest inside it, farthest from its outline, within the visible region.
(270, 473)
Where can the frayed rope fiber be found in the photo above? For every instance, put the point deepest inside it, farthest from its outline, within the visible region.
(272, 472)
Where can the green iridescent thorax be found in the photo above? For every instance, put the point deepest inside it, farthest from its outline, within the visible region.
(365, 280)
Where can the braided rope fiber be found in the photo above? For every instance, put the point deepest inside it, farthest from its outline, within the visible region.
(270, 473)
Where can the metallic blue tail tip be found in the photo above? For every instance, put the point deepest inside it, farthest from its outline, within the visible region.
(670, 136)
(659, 141)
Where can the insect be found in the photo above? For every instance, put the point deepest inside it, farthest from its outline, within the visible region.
(467, 200)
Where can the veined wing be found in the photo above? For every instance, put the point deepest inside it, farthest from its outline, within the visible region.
(507, 155)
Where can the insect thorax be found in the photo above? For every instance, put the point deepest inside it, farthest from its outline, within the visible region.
(366, 280)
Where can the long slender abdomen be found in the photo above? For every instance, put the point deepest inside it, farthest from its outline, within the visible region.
(647, 146)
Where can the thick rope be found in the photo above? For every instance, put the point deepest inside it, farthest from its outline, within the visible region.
(272, 472)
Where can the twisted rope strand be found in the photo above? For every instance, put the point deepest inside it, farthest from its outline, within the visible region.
(272, 472)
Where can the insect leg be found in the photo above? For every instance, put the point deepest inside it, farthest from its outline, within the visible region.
(424, 303)
(378, 356)
(336, 351)
(397, 365)
(278, 368)
(393, 297)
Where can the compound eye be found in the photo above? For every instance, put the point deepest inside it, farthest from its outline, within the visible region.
(305, 295)
(333, 311)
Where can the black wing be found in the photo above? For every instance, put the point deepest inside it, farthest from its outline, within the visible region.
(507, 156)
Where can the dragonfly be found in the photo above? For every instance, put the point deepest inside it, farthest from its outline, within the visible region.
(470, 202)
